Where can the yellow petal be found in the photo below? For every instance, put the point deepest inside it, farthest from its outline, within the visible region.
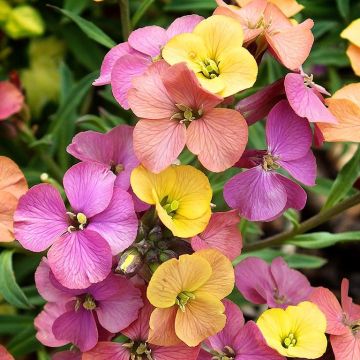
(238, 70)
(186, 228)
(203, 317)
(145, 184)
(353, 52)
(174, 276)
(216, 85)
(222, 279)
(220, 33)
(187, 48)
(352, 33)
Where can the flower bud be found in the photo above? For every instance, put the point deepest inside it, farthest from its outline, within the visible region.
(130, 261)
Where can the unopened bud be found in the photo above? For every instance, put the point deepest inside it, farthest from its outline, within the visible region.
(155, 233)
(167, 255)
(130, 261)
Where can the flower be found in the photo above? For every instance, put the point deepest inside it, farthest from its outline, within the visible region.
(275, 285)
(12, 186)
(175, 110)
(4, 354)
(129, 59)
(187, 294)
(72, 315)
(222, 233)
(100, 223)
(298, 331)
(137, 344)
(345, 105)
(181, 195)
(352, 33)
(343, 322)
(238, 340)
(12, 100)
(214, 52)
(261, 194)
(266, 24)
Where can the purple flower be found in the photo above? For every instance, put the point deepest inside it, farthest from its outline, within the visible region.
(238, 340)
(127, 60)
(101, 222)
(276, 285)
(262, 194)
(82, 317)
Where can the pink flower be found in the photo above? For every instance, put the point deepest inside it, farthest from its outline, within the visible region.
(276, 285)
(304, 96)
(238, 340)
(4, 354)
(176, 111)
(83, 316)
(127, 60)
(343, 321)
(12, 100)
(100, 223)
(222, 233)
(262, 194)
(138, 333)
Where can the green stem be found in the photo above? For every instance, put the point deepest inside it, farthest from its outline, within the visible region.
(305, 226)
(125, 18)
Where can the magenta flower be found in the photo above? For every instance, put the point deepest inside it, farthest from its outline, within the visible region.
(12, 100)
(127, 60)
(78, 316)
(238, 341)
(101, 222)
(138, 333)
(222, 233)
(276, 285)
(262, 194)
(343, 321)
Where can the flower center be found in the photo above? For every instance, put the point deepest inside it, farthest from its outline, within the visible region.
(279, 299)
(227, 354)
(77, 221)
(209, 68)
(269, 162)
(88, 303)
(139, 350)
(355, 328)
(116, 168)
(309, 80)
(186, 114)
(170, 206)
(183, 298)
(289, 341)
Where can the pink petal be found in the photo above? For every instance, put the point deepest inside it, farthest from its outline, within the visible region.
(40, 218)
(139, 205)
(149, 40)
(4, 354)
(218, 147)
(288, 135)
(89, 187)
(253, 279)
(118, 223)
(80, 259)
(107, 350)
(347, 346)
(109, 61)
(44, 321)
(12, 99)
(331, 308)
(177, 352)
(257, 194)
(124, 70)
(305, 101)
(222, 233)
(149, 98)
(158, 143)
(352, 310)
(67, 355)
(303, 169)
(183, 24)
(296, 196)
(77, 327)
(184, 88)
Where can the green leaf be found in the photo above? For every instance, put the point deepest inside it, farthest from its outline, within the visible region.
(325, 55)
(191, 5)
(9, 288)
(319, 240)
(13, 324)
(89, 28)
(140, 12)
(76, 6)
(344, 181)
(344, 8)
(24, 342)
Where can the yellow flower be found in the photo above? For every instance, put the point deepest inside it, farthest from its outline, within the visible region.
(214, 52)
(181, 195)
(352, 33)
(298, 331)
(187, 294)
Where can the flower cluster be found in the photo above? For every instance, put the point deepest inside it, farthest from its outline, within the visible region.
(136, 252)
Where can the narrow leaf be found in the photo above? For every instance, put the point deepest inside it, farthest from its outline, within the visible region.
(140, 12)
(344, 8)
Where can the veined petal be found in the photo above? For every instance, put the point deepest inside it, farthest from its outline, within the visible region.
(215, 85)
(8, 204)
(353, 52)
(296, 195)
(177, 352)
(218, 138)
(183, 24)
(105, 350)
(346, 347)
(352, 33)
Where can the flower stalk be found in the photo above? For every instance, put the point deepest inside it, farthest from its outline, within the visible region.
(125, 18)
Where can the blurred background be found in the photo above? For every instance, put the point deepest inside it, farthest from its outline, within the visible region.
(52, 51)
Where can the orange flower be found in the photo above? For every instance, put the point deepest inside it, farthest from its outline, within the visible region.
(187, 294)
(12, 186)
(352, 33)
(345, 105)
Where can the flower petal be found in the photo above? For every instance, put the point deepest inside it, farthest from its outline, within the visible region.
(177, 352)
(353, 52)
(8, 204)
(105, 350)
(346, 347)
(80, 259)
(352, 32)
(40, 218)
(12, 99)
(183, 24)
(12, 180)
(296, 196)
(89, 188)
